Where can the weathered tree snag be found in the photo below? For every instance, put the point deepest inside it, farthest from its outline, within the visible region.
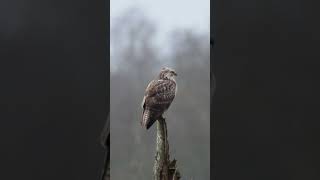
(164, 169)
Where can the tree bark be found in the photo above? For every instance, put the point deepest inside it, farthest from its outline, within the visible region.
(164, 169)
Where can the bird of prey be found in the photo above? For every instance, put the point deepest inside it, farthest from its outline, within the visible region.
(158, 96)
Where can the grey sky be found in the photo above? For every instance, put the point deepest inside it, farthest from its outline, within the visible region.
(169, 14)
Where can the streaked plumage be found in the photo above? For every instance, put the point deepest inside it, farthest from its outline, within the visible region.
(158, 96)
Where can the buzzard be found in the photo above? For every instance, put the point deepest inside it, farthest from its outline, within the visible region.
(158, 96)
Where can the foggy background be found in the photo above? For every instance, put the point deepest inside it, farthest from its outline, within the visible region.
(139, 49)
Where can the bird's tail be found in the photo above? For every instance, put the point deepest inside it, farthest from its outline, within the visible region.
(147, 119)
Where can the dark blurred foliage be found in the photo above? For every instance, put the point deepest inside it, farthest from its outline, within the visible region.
(53, 100)
(136, 59)
(266, 105)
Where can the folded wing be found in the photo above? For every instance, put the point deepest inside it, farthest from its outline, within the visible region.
(158, 96)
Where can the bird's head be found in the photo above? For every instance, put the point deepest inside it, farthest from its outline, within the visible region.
(167, 73)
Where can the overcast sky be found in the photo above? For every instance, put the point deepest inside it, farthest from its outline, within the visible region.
(169, 14)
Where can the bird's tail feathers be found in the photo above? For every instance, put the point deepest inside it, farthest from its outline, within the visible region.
(148, 119)
(150, 122)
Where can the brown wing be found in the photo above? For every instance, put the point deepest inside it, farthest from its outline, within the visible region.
(159, 94)
(158, 97)
(150, 85)
(146, 112)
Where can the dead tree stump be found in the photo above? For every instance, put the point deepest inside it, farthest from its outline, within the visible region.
(164, 169)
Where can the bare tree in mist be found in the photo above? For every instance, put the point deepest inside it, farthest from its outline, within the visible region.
(136, 60)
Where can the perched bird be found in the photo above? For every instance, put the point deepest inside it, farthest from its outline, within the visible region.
(158, 96)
